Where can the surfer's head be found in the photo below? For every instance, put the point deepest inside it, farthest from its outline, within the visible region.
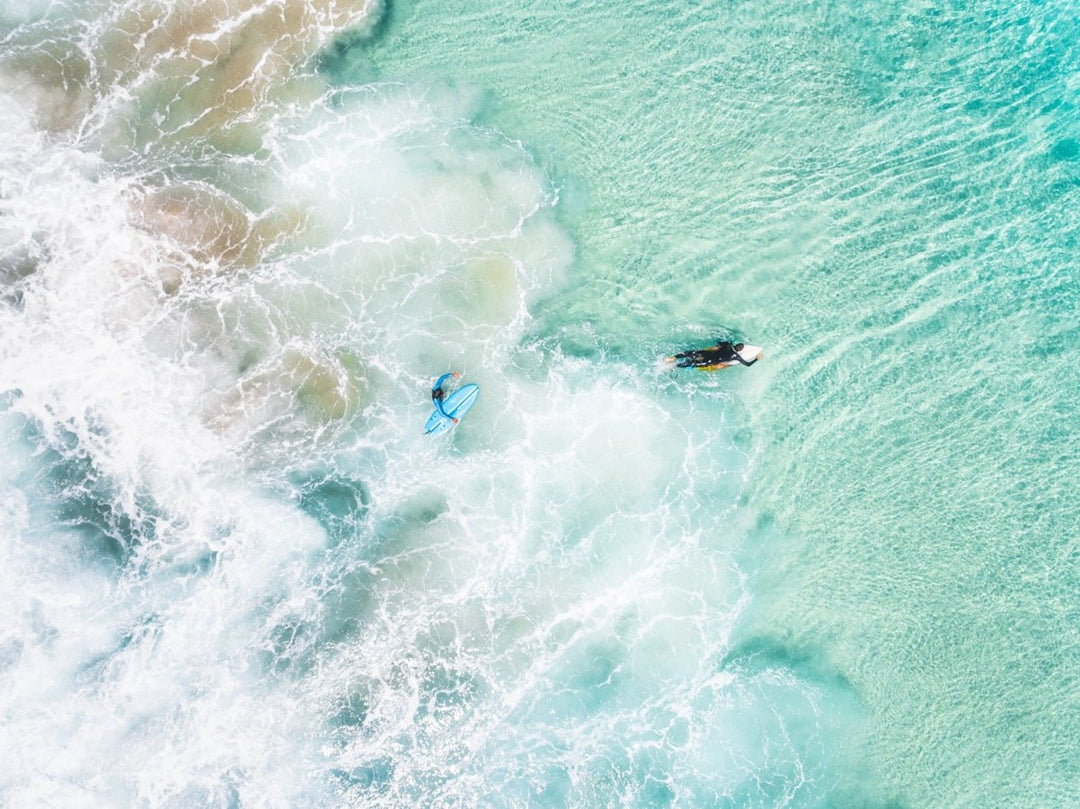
(740, 346)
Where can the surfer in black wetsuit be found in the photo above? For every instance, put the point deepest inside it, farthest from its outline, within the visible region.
(438, 394)
(717, 355)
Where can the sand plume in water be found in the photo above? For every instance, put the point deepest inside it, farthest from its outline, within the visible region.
(154, 70)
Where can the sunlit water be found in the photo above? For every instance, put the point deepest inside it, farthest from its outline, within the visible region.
(239, 241)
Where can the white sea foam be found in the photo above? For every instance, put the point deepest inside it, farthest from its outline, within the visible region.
(235, 573)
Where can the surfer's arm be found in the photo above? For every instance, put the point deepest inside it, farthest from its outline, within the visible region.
(744, 362)
(443, 413)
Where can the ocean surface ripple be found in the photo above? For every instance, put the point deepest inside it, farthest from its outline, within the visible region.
(239, 239)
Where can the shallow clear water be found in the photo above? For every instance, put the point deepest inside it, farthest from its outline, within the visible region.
(236, 246)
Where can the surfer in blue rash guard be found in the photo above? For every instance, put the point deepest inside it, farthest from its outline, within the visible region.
(438, 394)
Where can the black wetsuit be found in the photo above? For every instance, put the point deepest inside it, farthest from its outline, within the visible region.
(705, 357)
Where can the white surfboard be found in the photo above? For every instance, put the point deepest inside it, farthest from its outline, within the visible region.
(749, 353)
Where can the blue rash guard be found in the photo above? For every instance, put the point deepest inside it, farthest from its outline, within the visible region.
(437, 395)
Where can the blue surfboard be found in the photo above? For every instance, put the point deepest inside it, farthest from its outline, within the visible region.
(457, 404)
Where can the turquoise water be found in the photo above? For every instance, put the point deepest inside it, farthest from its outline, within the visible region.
(237, 245)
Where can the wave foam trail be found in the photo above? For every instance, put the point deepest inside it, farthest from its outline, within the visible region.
(234, 573)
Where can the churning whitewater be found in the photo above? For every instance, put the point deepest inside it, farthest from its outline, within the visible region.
(234, 572)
